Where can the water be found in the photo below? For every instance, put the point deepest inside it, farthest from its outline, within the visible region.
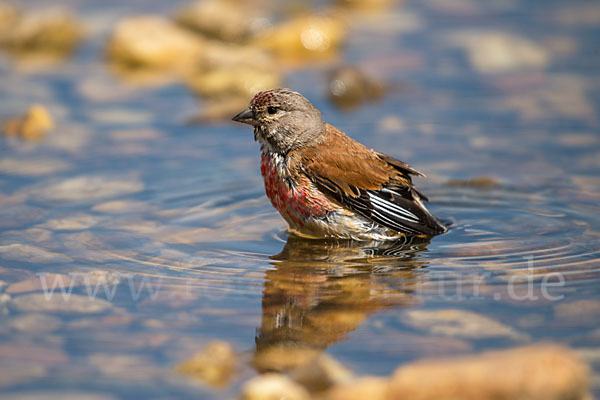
(175, 214)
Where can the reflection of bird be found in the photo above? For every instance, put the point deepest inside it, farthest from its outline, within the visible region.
(320, 290)
(324, 183)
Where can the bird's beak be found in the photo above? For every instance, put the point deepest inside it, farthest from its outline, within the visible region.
(246, 117)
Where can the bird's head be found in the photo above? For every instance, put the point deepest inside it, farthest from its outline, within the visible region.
(283, 120)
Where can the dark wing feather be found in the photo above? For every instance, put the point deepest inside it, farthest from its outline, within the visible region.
(386, 207)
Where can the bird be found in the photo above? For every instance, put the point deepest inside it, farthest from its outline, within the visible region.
(327, 185)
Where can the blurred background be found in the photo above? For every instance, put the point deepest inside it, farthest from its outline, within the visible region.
(120, 169)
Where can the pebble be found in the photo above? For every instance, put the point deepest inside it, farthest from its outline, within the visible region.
(153, 42)
(363, 388)
(462, 323)
(368, 5)
(499, 52)
(95, 277)
(90, 279)
(32, 166)
(56, 303)
(121, 207)
(88, 187)
(283, 358)
(39, 323)
(9, 15)
(230, 21)
(72, 223)
(578, 313)
(126, 135)
(349, 86)
(273, 387)
(213, 365)
(321, 374)
(32, 254)
(542, 372)
(124, 366)
(391, 124)
(304, 37)
(31, 126)
(51, 32)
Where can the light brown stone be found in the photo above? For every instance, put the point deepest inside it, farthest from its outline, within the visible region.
(542, 372)
(371, 388)
(273, 387)
(321, 374)
(153, 41)
(304, 37)
(461, 323)
(33, 125)
(214, 365)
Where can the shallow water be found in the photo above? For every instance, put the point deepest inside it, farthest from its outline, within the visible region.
(175, 214)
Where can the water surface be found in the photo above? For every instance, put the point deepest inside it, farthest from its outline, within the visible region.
(175, 214)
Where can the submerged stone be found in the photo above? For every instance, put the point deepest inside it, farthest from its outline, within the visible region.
(283, 358)
(32, 166)
(35, 322)
(541, 372)
(497, 52)
(368, 5)
(88, 187)
(462, 323)
(75, 223)
(227, 20)
(321, 374)
(56, 302)
(372, 388)
(24, 252)
(349, 86)
(273, 387)
(482, 182)
(154, 42)
(304, 37)
(31, 126)
(48, 32)
(213, 365)
(35, 283)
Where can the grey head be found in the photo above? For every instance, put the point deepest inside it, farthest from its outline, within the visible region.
(283, 120)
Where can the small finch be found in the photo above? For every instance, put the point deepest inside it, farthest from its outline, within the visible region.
(325, 184)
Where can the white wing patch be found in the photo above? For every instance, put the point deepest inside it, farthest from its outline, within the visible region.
(394, 209)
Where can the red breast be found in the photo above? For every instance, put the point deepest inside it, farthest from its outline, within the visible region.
(293, 195)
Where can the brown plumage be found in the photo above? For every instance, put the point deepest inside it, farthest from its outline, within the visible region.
(355, 167)
(354, 191)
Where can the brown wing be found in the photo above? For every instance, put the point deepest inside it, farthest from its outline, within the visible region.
(372, 184)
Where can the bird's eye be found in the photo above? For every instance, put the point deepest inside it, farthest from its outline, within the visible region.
(272, 110)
